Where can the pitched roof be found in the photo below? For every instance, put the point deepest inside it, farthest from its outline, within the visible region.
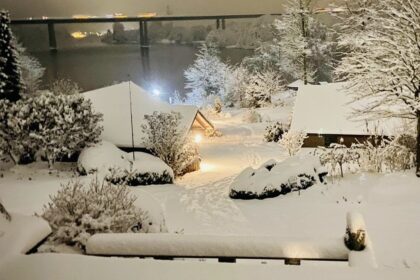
(328, 109)
(114, 103)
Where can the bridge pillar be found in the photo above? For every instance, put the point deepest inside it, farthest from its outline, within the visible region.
(51, 37)
(144, 40)
(217, 23)
(223, 24)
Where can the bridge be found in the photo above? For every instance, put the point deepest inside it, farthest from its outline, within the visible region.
(142, 20)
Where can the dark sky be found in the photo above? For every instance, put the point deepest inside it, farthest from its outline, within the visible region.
(63, 8)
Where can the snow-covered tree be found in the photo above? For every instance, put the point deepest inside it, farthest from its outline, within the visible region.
(208, 75)
(166, 139)
(31, 71)
(260, 87)
(235, 86)
(292, 141)
(303, 41)
(267, 57)
(64, 124)
(65, 87)
(10, 76)
(76, 212)
(15, 128)
(382, 64)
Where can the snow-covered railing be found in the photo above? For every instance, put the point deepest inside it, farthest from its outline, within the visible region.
(223, 248)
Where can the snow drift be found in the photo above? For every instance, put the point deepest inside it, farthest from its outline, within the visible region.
(118, 167)
(274, 178)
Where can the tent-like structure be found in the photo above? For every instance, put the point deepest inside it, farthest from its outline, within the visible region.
(114, 103)
(327, 114)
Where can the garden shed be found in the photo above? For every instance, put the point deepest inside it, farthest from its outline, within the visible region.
(114, 103)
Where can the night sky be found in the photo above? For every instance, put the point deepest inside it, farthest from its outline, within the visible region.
(60, 8)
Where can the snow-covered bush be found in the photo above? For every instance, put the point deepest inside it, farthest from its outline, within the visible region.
(76, 212)
(252, 116)
(338, 156)
(260, 87)
(274, 132)
(118, 167)
(15, 128)
(65, 87)
(10, 74)
(292, 141)
(64, 124)
(166, 140)
(208, 75)
(31, 71)
(381, 154)
(218, 105)
(133, 177)
(275, 178)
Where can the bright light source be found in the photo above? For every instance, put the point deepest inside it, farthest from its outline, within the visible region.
(156, 92)
(198, 138)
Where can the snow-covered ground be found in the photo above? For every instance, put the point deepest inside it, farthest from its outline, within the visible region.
(199, 204)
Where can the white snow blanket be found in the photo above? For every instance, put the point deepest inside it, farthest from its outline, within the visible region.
(272, 175)
(114, 103)
(166, 244)
(21, 234)
(328, 109)
(104, 155)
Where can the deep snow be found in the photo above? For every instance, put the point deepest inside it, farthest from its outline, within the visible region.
(199, 204)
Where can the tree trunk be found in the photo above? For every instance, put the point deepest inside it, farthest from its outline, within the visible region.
(418, 145)
(303, 27)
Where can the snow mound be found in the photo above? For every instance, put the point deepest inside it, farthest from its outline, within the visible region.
(118, 167)
(21, 234)
(274, 178)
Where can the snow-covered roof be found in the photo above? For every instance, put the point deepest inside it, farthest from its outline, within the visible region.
(114, 103)
(328, 109)
(296, 84)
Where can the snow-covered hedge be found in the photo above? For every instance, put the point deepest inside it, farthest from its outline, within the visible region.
(76, 212)
(118, 167)
(274, 132)
(275, 178)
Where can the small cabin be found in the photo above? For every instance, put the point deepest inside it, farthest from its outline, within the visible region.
(327, 114)
(115, 101)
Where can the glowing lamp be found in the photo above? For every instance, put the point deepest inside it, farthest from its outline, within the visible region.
(156, 92)
(198, 138)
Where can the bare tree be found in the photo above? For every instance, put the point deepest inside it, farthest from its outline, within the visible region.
(382, 64)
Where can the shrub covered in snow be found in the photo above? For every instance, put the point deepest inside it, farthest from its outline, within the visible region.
(64, 124)
(15, 128)
(338, 156)
(274, 132)
(65, 87)
(118, 167)
(355, 238)
(165, 139)
(292, 141)
(381, 154)
(275, 178)
(77, 212)
(252, 116)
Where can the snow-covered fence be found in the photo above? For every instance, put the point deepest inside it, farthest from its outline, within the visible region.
(230, 248)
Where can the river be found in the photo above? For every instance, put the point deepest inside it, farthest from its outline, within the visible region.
(95, 67)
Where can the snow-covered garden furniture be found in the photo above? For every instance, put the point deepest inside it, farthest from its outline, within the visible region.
(118, 167)
(275, 178)
(224, 248)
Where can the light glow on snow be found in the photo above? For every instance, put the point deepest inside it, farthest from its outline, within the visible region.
(156, 92)
(207, 167)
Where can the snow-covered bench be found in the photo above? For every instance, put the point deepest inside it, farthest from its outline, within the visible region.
(223, 248)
